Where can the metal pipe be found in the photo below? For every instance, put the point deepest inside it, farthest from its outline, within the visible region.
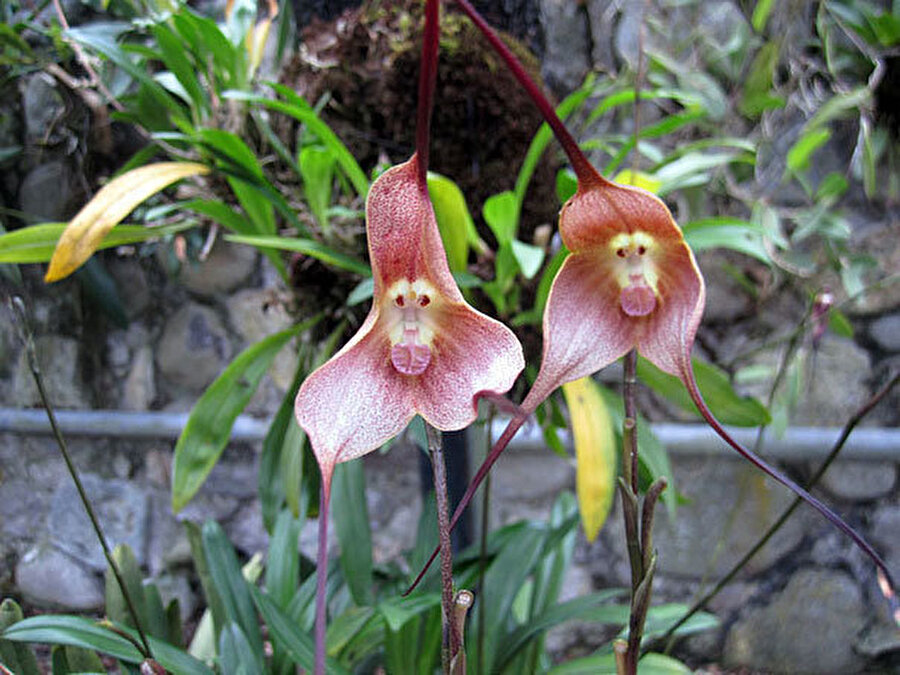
(797, 443)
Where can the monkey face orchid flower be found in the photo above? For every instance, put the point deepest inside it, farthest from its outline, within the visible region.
(630, 282)
(422, 349)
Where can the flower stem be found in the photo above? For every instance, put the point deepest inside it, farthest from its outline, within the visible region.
(857, 417)
(580, 164)
(427, 79)
(450, 635)
(322, 574)
(18, 308)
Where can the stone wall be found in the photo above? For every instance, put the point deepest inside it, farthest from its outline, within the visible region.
(809, 602)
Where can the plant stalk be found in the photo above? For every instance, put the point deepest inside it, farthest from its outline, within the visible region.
(18, 308)
(450, 635)
(858, 416)
(322, 575)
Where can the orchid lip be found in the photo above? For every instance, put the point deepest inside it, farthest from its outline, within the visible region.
(635, 272)
(410, 318)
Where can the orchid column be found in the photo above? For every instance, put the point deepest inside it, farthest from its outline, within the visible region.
(421, 350)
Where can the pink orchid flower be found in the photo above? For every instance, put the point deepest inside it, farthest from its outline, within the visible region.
(422, 349)
(630, 282)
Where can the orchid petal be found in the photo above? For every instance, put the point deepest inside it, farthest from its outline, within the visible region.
(584, 329)
(422, 349)
(473, 354)
(355, 402)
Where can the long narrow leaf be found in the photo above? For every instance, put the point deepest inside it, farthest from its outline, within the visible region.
(209, 426)
(308, 247)
(351, 523)
(232, 587)
(304, 113)
(36, 243)
(109, 206)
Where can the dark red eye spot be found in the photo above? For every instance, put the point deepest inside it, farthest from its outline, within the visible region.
(642, 250)
(399, 301)
(620, 252)
(424, 301)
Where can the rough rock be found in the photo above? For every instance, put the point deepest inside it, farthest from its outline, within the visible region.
(566, 46)
(886, 532)
(246, 530)
(860, 480)
(132, 284)
(885, 331)
(59, 359)
(121, 508)
(725, 299)
(194, 347)
(49, 578)
(177, 587)
(227, 267)
(601, 15)
(827, 603)
(139, 389)
(256, 314)
(730, 505)
(46, 191)
(42, 108)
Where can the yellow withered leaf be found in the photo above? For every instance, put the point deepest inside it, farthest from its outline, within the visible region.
(639, 179)
(109, 206)
(595, 453)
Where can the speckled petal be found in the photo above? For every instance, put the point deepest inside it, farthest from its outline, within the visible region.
(472, 353)
(584, 328)
(355, 402)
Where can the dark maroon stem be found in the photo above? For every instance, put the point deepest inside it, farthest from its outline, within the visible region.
(580, 165)
(514, 424)
(322, 575)
(765, 467)
(427, 78)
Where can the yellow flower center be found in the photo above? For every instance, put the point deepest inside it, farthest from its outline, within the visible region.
(410, 310)
(635, 272)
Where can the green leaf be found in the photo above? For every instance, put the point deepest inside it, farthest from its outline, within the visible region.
(398, 610)
(236, 655)
(761, 14)
(757, 92)
(174, 56)
(840, 106)
(309, 247)
(544, 135)
(351, 523)
(283, 568)
(839, 324)
(346, 626)
(36, 243)
(209, 426)
(501, 213)
(231, 586)
(317, 171)
(566, 185)
(798, 157)
(258, 208)
(116, 607)
(17, 657)
(593, 608)
(285, 631)
(364, 290)
(504, 579)
(101, 37)
(724, 402)
(652, 456)
(605, 664)
(300, 110)
(453, 218)
(529, 257)
(81, 632)
(731, 233)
